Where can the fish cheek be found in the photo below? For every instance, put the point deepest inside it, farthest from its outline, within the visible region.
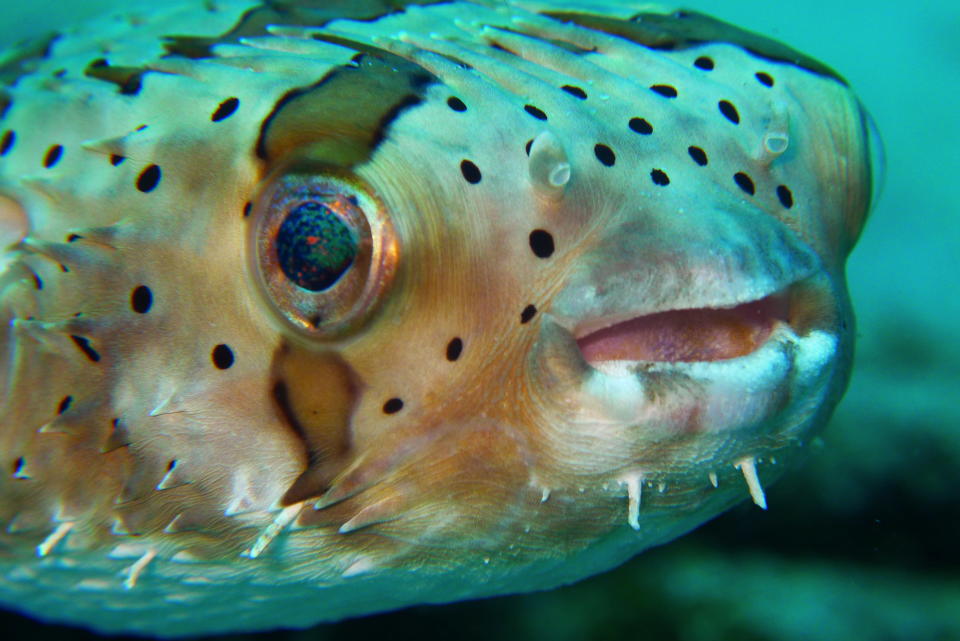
(315, 394)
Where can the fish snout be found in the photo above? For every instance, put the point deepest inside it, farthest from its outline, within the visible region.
(724, 339)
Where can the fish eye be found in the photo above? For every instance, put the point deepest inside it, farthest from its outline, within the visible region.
(315, 246)
(322, 251)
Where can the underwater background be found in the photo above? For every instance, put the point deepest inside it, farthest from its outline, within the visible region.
(863, 541)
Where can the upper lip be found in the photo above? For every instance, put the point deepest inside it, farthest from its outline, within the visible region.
(636, 276)
(688, 335)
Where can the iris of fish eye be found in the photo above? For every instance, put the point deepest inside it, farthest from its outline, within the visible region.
(315, 247)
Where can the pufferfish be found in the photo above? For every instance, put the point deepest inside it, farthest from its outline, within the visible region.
(312, 309)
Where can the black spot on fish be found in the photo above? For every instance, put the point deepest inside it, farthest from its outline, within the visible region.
(605, 155)
(392, 406)
(527, 314)
(659, 177)
(84, 345)
(226, 109)
(471, 172)
(641, 126)
(535, 112)
(454, 349)
(785, 196)
(6, 143)
(703, 62)
(744, 182)
(699, 155)
(575, 91)
(222, 357)
(666, 91)
(764, 78)
(141, 299)
(456, 104)
(149, 178)
(53, 156)
(541, 242)
(729, 111)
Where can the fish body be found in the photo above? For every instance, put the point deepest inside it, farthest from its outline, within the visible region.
(315, 309)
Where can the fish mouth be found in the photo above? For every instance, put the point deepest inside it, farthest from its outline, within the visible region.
(687, 335)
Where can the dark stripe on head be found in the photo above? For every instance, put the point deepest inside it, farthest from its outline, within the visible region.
(314, 395)
(18, 61)
(345, 116)
(127, 79)
(301, 13)
(685, 29)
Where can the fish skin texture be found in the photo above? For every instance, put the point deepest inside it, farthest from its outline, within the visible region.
(192, 442)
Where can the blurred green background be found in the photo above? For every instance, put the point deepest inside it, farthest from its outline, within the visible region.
(861, 543)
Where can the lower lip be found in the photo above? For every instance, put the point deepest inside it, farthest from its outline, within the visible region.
(688, 335)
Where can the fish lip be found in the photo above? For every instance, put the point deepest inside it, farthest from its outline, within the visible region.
(777, 319)
(729, 299)
(648, 264)
(697, 335)
(593, 325)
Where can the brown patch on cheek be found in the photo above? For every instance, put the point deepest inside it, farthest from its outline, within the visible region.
(315, 394)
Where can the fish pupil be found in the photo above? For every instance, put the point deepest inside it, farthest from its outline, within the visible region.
(315, 247)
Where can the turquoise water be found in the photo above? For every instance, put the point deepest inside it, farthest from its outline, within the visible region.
(862, 542)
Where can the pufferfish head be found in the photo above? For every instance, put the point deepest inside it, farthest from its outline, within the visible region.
(559, 277)
(516, 294)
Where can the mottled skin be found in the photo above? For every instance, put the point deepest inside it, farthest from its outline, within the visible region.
(172, 495)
